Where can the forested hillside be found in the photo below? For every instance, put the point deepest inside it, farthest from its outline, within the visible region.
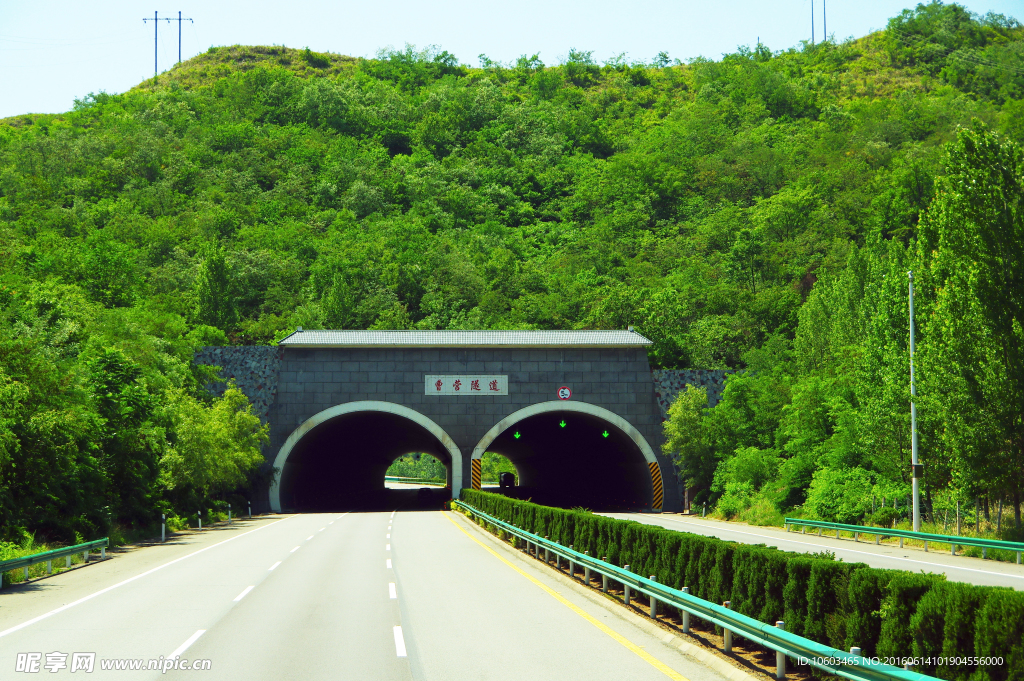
(755, 212)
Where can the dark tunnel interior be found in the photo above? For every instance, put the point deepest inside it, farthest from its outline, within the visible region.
(568, 459)
(340, 464)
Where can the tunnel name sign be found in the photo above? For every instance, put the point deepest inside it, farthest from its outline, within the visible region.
(465, 385)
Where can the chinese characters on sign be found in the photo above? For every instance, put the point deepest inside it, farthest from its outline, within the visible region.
(465, 385)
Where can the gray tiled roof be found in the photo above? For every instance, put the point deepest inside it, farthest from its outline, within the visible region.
(465, 339)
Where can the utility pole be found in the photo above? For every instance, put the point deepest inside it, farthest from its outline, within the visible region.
(155, 21)
(179, 34)
(155, 53)
(915, 466)
(812, 22)
(824, 21)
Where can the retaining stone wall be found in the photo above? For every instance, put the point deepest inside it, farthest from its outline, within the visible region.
(668, 383)
(254, 368)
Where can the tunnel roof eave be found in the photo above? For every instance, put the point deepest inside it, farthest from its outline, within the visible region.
(464, 339)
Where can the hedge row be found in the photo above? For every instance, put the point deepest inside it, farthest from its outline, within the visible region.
(888, 613)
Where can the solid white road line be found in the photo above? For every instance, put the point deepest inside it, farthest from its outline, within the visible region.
(399, 642)
(389, 563)
(184, 646)
(274, 566)
(842, 548)
(244, 592)
(129, 580)
(391, 590)
(294, 550)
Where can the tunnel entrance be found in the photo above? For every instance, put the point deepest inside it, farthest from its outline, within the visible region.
(338, 459)
(570, 458)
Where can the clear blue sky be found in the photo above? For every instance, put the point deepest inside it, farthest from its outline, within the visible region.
(53, 52)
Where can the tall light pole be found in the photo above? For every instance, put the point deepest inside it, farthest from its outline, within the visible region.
(915, 466)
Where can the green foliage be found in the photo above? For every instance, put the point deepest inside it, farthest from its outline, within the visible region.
(887, 613)
(757, 213)
(213, 449)
(840, 495)
(421, 466)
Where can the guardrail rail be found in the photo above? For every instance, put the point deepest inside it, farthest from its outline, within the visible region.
(48, 557)
(850, 665)
(883, 532)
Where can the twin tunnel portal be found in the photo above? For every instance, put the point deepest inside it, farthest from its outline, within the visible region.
(564, 456)
(573, 411)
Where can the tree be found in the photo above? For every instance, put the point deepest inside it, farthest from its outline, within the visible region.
(212, 449)
(215, 293)
(686, 441)
(130, 442)
(972, 241)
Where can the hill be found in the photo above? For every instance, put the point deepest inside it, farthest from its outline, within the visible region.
(254, 189)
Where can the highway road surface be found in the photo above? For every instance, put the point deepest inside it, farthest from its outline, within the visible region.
(406, 595)
(888, 556)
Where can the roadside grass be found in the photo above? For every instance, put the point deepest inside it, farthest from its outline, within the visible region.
(763, 513)
(118, 536)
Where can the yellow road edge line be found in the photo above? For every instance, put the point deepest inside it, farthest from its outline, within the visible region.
(619, 638)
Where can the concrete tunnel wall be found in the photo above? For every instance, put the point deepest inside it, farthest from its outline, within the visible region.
(311, 381)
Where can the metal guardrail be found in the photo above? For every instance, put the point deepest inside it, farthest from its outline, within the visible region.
(848, 665)
(48, 557)
(412, 481)
(881, 532)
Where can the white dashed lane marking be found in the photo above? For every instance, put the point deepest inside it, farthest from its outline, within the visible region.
(399, 642)
(244, 592)
(184, 646)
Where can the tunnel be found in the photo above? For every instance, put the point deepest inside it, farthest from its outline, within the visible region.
(338, 463)
(570, 458)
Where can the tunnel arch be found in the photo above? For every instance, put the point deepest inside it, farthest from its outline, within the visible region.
(349, 408)
(565, 405)
(624, 466)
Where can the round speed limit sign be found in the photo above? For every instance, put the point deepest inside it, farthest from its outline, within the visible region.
(564, 393)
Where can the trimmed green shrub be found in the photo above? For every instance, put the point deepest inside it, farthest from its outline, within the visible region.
(903, 593)
(794, 595)
(1000, 633)
(827, 606)
(864, 621)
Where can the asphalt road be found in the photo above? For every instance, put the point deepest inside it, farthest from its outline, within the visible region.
(888, 556)
(410, 595)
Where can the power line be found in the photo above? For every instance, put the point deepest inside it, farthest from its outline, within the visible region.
(156, 22)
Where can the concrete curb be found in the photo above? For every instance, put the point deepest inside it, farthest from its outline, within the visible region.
(720, 664)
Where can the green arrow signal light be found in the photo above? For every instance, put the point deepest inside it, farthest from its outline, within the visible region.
(604, 434)
(516, 435)
(562, 424)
